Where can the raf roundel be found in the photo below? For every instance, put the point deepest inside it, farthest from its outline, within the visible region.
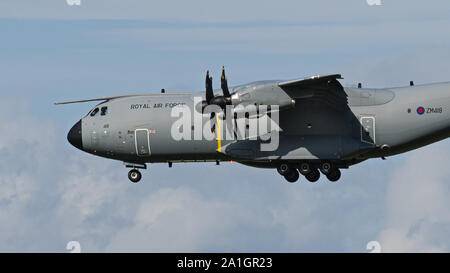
(420, 110)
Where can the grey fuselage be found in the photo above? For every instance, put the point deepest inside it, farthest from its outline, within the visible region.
(375, 123)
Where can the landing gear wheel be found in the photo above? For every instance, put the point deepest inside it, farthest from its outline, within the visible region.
(304, 168)
(134, 176)
(313, 175)
(334, 175)
(292, 176)
(326, 168)
(284, 169)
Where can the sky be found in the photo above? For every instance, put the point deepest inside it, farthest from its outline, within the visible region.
(52, 193)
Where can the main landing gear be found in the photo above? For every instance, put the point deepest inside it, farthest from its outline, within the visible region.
(292, 176)
(334, 175)
(313, 176)
(291, 172)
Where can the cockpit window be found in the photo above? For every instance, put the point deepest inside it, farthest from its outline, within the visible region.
(94, 112)
(104, 111)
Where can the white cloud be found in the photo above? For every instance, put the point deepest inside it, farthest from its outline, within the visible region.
(178, 219)
(418, 204)
(46, 193)
(86, 189)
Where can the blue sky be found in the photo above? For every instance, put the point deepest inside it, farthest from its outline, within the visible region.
(51, 193)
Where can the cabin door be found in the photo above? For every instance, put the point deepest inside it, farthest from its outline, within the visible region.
(368, 129)
(142, 142)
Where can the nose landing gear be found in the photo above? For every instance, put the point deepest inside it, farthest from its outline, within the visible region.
(134, 176)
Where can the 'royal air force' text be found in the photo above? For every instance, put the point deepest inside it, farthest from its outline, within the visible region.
(155, 105)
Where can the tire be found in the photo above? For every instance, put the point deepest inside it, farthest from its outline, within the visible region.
(292, 176)
(334, 176)
(134, 176)
(326, 168)
(305, 168)
(284, 169)
(313, 176)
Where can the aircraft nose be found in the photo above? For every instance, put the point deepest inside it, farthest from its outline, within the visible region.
(74, 136)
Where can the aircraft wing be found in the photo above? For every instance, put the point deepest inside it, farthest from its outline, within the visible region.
(312, 80)
(325, 89)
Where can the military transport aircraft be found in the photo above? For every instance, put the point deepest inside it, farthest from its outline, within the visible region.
(322, 127)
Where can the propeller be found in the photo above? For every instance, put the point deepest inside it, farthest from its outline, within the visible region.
(224, 84)
(209, 88)
(221, 101)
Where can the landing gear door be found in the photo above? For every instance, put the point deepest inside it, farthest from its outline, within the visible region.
(142, 142)
(368, 129)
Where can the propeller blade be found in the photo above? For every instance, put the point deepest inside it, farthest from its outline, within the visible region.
(224, 84)
(209, 89)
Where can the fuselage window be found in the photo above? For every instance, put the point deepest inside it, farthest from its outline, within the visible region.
(104, 111)
(94, 112)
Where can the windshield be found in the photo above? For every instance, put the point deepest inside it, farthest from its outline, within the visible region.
(94, 112)
(104, 111)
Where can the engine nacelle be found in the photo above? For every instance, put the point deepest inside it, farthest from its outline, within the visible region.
(262, 94)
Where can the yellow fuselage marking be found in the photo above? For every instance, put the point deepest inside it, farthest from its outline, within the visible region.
(219, 140)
